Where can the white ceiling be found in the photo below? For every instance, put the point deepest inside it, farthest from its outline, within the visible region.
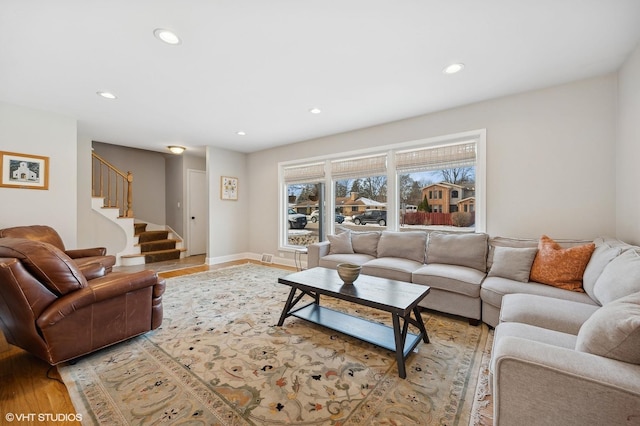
(260, 65)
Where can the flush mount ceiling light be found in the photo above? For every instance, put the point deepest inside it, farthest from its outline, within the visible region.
(166, 36)
(453, 68)
(107, 95)
(315, 110)
(241, 133)
(176, 149)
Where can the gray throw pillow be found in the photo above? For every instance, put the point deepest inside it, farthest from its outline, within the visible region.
(468, 250)
(619, 278)
(512, 263)
(406, 245)
(340, 243)
(613, 331)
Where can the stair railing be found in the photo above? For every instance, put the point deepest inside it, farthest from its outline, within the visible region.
(115, 186)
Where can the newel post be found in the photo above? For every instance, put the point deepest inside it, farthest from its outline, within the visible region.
(129, 195)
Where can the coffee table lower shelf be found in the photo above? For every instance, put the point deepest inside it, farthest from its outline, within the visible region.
(371, 332)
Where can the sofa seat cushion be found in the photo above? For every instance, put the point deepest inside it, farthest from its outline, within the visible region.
(108, 261)
(566, 316)
(452, 278)
(494, 288)
(332, 260)
(393, 268)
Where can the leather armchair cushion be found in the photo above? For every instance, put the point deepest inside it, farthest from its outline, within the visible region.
(42, 233)
(47, 263)
(86, 252)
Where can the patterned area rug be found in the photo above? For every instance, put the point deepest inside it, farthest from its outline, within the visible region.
(219, 359)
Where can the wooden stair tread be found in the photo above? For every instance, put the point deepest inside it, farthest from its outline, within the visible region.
(166, 240)
(153, 252)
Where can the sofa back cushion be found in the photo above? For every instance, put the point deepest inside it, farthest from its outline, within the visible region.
(406, 245)
(613, 331)
(619, 278)
(468, 250)
(365, 242)
(602, 255)
(54, 269)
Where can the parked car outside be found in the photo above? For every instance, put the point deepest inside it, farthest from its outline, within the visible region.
(371, 216)
(297, 220)
(315, 216)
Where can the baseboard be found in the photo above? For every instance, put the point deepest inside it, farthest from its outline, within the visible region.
(253, 256)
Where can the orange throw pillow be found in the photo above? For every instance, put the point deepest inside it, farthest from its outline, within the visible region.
(562, 268)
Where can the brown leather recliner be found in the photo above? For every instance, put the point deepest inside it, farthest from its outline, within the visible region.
(82, 257)
(49, 308)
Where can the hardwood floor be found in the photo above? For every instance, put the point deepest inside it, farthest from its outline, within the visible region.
(31, 388)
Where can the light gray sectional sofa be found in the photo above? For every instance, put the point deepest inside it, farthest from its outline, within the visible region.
(559, 356)
(453, 265)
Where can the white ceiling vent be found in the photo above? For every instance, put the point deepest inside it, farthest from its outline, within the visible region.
(266, 258)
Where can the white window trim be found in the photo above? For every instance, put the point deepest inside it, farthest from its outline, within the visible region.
(393, 201)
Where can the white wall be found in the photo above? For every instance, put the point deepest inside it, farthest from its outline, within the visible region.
(550, 161)
(148, 168)
(229, 220)
(29, 131)
(628, 151)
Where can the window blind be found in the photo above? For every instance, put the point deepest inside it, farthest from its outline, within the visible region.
(359, 167)
(437, 158)
(304, 173)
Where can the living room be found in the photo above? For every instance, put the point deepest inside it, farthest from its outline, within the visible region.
(560, 161)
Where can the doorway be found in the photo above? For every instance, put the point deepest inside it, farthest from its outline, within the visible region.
(197, 212)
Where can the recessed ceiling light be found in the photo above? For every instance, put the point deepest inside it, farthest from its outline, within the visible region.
(176, 149)
(240, 133)
(315, 110)
(167, 36)
(107, 95)
(453, 68)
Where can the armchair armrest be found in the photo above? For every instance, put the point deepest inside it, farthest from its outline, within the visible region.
(86, 252)
(315, 251)
(536, 383)
(100, 289)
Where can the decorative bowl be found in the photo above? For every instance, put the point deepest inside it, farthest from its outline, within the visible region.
(348, 272)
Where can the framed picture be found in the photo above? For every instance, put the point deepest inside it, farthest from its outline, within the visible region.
(228, 188)
(23, 171)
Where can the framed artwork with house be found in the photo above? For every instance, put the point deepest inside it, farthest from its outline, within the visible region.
(23, 171)
(228, 188)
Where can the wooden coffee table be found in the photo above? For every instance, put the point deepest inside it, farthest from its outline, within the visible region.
(398, 298)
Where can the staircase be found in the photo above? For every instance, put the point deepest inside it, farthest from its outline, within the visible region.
(112, 195)
(156, 246)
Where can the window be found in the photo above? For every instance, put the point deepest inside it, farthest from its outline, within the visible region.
(444, 175)
(360, 185)
(450, 167)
